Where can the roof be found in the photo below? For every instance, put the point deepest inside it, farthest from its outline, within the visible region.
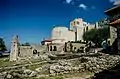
(50, 40)
(55, 44)
(115, 22)
(60, 28)
(113, 9)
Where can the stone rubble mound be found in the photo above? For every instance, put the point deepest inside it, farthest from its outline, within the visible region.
(92, 64)
(18, 74)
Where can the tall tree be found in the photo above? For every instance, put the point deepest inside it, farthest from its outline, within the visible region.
(97, 35)
(2, 45)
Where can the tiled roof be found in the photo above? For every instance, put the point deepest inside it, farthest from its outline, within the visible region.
(115, 22)
(113, 8)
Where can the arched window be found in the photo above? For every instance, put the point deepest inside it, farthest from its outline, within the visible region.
(55, 48)
(50, 48)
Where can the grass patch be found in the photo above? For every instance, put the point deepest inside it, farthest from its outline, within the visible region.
(33, 67)
(4, 62)
(57, 77)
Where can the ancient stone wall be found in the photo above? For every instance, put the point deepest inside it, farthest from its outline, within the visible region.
(40, 48)
(59, 47)
(25, 51)
(113, 34)
(77, 45)
(113, 41)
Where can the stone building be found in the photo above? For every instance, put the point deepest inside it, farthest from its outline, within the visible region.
(114, 24)
(14, 49)
(20, 51)
(79, 27)
(62, 34)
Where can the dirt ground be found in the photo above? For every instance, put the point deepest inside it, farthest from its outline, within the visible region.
(80, 76)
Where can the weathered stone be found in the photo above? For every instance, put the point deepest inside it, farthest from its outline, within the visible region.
(4, 73)
(9, 76)
(2, 76)
(39, 69)
(27, 71)
(33, 74)
(17, 75)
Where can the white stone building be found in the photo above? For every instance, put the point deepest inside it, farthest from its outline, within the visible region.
(20, 51)
(14, 49)
(62, 34)
(79, 27)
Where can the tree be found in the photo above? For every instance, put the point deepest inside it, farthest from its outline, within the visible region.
(26, 44)
(2, 45)
(97, 35)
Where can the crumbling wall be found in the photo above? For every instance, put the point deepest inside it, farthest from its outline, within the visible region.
(25, 51)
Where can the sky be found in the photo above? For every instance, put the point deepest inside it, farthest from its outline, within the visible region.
(33, 20)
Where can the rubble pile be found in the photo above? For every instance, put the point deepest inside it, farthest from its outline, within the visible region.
(18, 74)
(92, 64)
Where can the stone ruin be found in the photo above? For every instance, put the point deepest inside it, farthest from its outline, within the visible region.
(22, 51)
(14, 49)
(19, 51)
(64, 64)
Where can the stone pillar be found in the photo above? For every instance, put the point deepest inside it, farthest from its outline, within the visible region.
(113, 39)
(113, 34)
(14, 49)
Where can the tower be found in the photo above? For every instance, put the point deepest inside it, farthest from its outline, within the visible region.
(14, 49)
(77, 25)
